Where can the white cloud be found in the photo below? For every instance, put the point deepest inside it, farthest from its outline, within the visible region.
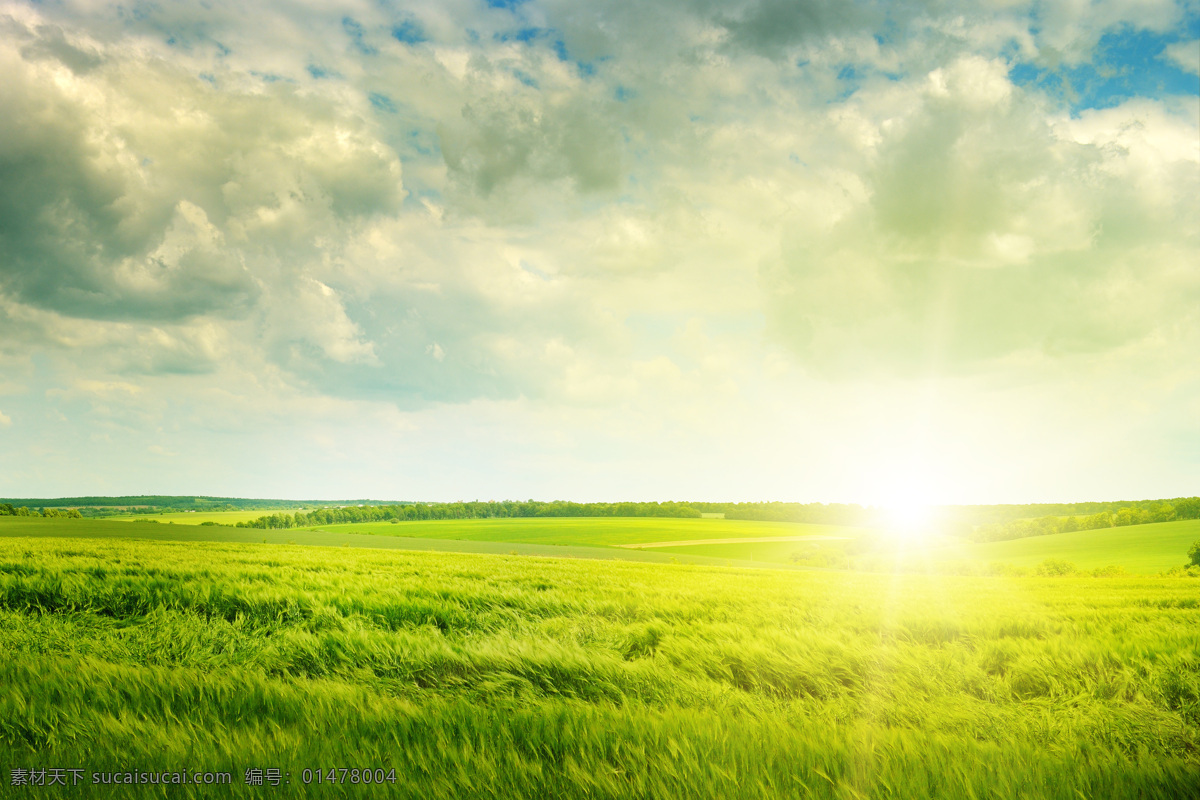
(667, 224)
(316, 315)
(990, 228)
(1185, 54)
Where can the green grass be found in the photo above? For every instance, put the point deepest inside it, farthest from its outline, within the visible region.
(197, 517)
(1141, 549)
(478, 676)
(333, 536)
(1138, 548)
(587, 531)
(768, 553)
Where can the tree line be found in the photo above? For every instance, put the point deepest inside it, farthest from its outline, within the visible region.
(9, 510)
(105, 506)
(833, 514)
(411, 512)
(979, 523)
(1134, 514)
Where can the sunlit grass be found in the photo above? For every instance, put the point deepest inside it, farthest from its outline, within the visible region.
(590, 531)
(194, 517)
(483, 676)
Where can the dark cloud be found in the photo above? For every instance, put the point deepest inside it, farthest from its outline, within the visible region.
(51, 43)
(501, 143)
(141, 192)
(771, 27)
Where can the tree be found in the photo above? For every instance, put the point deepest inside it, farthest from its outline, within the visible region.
(1194, 554)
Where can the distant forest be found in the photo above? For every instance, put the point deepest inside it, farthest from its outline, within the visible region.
(981, 523)
(1018, 521)
(791, 512)
(140, 504)
(1140, 513)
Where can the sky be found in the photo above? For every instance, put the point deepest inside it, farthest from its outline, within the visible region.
(874, 252)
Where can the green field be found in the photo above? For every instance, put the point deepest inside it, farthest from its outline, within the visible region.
(587, 531)
(195, 517)
(766, 553)
(1140, 549)
(489, 671)
(494, 676)
(334, 536)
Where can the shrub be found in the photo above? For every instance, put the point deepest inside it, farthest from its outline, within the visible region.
(1054, 566)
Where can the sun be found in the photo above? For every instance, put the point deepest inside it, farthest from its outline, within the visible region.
(907, 499)
(908, 520)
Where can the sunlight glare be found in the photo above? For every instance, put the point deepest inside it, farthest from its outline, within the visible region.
(907, 505)
(908, 520)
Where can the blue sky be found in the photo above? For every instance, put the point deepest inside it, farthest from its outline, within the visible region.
(751, 250)
(1127, 63)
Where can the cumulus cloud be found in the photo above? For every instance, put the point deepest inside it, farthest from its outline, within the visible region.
(314, 317)
(136, 190)
(507, 148)
(587, 212)
(1185, 54)
(987, 227)
(771, 27)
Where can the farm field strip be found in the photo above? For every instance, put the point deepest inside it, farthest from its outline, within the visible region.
(735, 540)
(590, 531)
(193, 517)
(19, 527)
(1139, 548)
(774, 552)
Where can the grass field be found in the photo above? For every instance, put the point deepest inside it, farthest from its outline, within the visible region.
(588, 531)
(1140, 549)
(493, 676)
(333, 536)
(196, 517)
(773, 553)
